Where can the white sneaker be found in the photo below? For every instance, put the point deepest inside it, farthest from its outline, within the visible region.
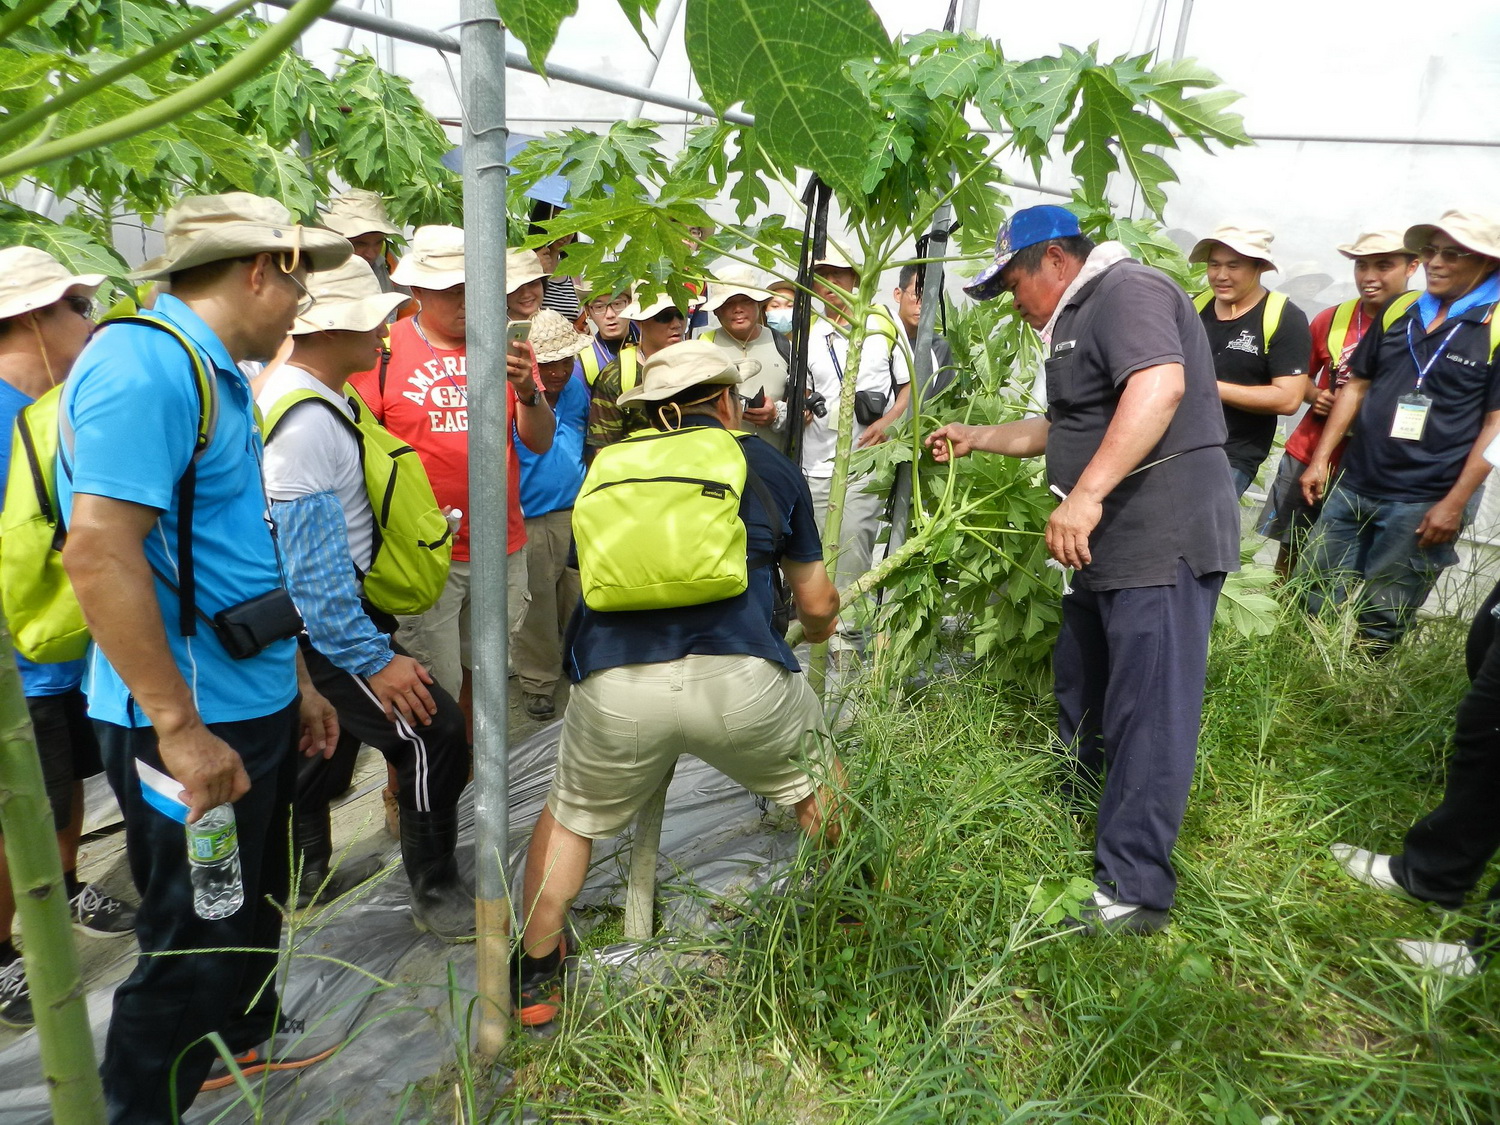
(1451, 959)
(1370, 868)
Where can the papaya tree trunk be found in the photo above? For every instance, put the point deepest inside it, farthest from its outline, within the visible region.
(57, 993)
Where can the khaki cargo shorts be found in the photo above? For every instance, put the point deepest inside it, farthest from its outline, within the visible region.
(624, 727)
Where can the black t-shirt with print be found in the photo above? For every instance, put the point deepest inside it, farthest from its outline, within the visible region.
(1241, 356)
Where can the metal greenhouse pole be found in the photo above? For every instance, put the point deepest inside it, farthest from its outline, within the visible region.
(483, 82)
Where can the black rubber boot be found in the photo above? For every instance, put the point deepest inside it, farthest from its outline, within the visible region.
(441, 903)
(314, 834)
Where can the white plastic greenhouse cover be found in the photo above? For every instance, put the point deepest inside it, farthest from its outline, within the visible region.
(1379, 70)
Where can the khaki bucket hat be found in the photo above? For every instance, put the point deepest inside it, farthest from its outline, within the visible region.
(33, 279)
(658, 304)
(1469, 229)
(521, 266)
(834, 258)
(358, 212)
(434, 259)
(212, 228)
(553, 337)
(346, 299)
(1374, 242)
(738, 281)
(692, 363)
(1248, 242)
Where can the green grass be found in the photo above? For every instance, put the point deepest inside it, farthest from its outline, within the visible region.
(1276, 995)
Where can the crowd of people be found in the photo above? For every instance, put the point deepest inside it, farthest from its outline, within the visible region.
(241, 571)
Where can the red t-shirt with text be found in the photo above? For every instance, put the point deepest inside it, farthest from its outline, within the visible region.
(1304, 439)
(425, 403)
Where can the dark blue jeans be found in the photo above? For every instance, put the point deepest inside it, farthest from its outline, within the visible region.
(1128, 671)
(169, 1003)
(1359, 538)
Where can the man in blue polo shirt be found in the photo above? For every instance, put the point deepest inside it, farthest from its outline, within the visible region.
(549, 485)
(1422, 403)
(713, 680)
(164, 691)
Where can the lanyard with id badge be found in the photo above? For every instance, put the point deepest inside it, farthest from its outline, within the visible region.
(1412, 409)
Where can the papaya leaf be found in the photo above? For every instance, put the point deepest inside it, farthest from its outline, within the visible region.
(535, 24)
(787, 66)
(76, 249)
(1107, 121)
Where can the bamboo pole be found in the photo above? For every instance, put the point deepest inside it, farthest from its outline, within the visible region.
(645, 847)
(57, 993)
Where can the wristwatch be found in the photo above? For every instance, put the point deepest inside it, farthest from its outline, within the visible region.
(536, 397)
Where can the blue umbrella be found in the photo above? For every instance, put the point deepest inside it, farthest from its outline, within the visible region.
(549, 189)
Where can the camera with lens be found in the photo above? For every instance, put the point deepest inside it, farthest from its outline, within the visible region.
(815, 404)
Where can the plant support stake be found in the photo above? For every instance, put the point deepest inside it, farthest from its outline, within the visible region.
(483, 81)
(57, 992)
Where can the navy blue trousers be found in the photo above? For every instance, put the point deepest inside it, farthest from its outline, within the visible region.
(1446, 852)
(1128, 672)
(169, 1003)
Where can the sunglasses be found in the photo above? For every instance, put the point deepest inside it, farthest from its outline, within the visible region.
(83, 306)
(667, 316)
(1449, 254)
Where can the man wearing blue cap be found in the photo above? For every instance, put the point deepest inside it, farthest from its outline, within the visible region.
(1134, 440)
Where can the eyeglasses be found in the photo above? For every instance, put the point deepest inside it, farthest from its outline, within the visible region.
(667, 316)
(307, 300)
(619, 305)
(1449, 254)
(83, 306)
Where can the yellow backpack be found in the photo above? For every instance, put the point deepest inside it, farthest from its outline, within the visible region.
(413, 542)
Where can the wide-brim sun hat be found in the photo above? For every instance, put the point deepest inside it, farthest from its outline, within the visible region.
(434, 259)
(346, 299)
(680, 367)
(737, 282)
(833, 258)
(33, 279)
(1375, 242)
(201, 229)
(357, 212)
(1469, 229)
(521, 267)
(1024, 228)
(553, 337)
(1247, 242)
(658, 304)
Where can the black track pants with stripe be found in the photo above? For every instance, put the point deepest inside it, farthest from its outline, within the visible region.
(432, 761)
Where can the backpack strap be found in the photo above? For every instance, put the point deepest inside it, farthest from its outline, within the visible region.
(630, 366)
(1201, 300)
(1397, 308)
(783, 345)
(1270, 316)
(385, 365)
(763, 494)
(1343, 316)
(589, 357)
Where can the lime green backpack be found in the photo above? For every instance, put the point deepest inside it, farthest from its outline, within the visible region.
(658, 523)
(45, 620)
(413, 542)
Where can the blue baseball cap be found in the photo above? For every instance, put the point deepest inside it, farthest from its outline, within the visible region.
(1025, 228)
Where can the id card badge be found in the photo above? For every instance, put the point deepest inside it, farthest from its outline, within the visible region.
(1411, 417)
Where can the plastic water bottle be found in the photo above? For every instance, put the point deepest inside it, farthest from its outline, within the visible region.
(213, 847)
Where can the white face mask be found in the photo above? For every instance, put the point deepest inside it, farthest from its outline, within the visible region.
(779, 320)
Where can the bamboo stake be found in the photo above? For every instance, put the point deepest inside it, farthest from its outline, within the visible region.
(57, 993)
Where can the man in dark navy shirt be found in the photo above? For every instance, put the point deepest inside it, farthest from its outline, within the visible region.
(1422, 403)
(714, 680)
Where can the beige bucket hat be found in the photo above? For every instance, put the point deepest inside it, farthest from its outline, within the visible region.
(658, 304)
(521, 266)
(1469, 229)
(346, 299)
(834, 258)
(692, 363)
(211, 228)
(736, 281)
(553, 337)
(358, 212)
(434, 259)
(1248, 242)
(1370, 243)
(33, 279)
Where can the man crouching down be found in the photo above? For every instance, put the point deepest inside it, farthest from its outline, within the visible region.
(663, 662)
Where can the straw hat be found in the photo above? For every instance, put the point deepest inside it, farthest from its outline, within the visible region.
(521, 266)
(658, 304)
(346, 299)
(33, 279)
(211, 228)
(1375, 242)
(692, 363)
(553, 337)
(737, 281)
(1247, 242)
(434, 259)
(1469, 229)
(358, 212)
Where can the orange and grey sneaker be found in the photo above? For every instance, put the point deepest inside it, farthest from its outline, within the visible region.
(538, 985)
(266, 1057)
